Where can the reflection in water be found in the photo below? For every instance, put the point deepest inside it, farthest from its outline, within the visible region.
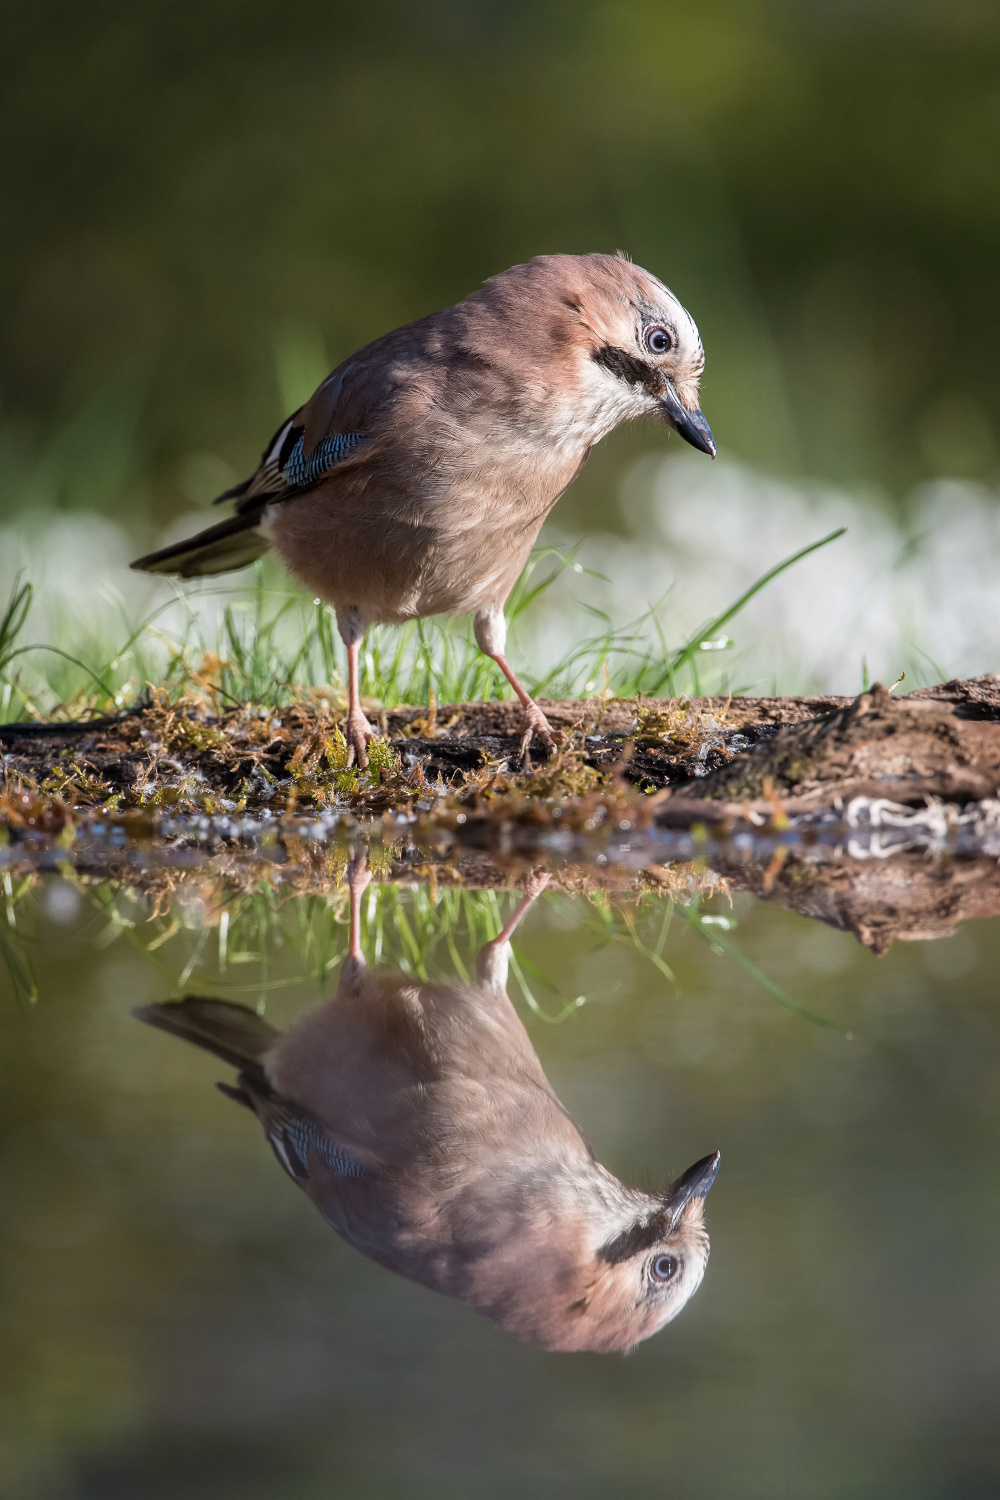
(418, 1119)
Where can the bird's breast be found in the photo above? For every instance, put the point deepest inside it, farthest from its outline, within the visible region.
(442, 533)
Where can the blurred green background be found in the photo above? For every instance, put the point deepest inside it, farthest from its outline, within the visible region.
(207, 206)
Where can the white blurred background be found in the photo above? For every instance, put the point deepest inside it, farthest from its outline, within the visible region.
(920, 595)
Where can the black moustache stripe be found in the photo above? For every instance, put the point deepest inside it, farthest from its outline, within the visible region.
(630, 368)
(641, 1236)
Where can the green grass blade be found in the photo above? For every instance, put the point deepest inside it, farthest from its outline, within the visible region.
(687, 651)
(14, 617)
(108, 692)
(723, 945)
(18, 967)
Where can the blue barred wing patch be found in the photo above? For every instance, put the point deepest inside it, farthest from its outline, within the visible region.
(292, 1144)
(300, 472)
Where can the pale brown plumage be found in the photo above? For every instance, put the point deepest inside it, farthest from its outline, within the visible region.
(416, 479)
(418, 1119)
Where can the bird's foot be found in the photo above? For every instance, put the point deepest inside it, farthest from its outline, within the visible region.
(534, 724)
(357, 732)
(358, 874)
(537, 881)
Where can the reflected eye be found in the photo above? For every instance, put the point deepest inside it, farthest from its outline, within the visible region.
(663, 1268)
(657, 339)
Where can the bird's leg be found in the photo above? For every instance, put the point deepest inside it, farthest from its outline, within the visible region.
(537, 881)
(359, 731)
(491, 637)
(533, 721)
(358, 879)
(491, 964)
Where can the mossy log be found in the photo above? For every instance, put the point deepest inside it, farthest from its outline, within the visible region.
(721, 755)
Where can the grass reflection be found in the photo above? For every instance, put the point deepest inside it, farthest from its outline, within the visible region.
(253, 942)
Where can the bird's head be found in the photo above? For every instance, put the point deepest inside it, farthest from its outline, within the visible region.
(607, 1272)
(614, 341)
(646, 1273)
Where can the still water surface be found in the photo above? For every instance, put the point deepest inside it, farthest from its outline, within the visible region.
(176, 1319)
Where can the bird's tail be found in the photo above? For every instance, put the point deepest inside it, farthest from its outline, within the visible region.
(231, 1032)
(218, 549)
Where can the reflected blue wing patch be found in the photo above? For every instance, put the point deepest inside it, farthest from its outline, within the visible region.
(299, 1134)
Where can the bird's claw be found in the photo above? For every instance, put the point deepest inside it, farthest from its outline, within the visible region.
(535, 724)
(536, 883)
(357, 733)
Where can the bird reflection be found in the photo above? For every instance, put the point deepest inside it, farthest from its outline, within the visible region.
(417, 1118)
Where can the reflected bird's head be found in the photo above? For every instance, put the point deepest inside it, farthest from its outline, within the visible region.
(584, 1262)
(651, 1268)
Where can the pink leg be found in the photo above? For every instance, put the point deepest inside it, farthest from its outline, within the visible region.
(534, 721)
(358, 878)
(491, 964)
(359, 731)
(537, 882)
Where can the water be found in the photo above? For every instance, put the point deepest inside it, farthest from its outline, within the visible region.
(177, 1319)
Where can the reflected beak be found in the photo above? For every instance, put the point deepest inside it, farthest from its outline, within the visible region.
(691, 425)
(696, 1182)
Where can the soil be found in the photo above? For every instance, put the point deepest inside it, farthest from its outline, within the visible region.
(246, 753)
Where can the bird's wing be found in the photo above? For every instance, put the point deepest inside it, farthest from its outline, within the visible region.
(293, 1133)
(332, 429)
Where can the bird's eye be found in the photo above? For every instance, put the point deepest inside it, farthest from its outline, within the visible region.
(658, 340)
(663, 1268)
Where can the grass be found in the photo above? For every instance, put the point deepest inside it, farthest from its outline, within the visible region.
(267, 645)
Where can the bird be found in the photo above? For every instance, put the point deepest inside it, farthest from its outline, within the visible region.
(415, 480)
(417, 1118)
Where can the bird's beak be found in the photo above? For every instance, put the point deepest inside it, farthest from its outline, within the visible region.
(696, 1182)
(691, 425)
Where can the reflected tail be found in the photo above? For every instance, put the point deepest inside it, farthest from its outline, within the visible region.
(237, 1035)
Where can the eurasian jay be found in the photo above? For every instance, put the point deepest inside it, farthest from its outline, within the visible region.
(417, 1118)
(415, 480)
